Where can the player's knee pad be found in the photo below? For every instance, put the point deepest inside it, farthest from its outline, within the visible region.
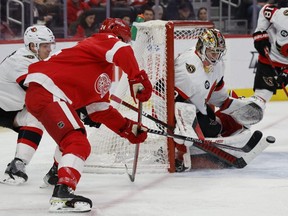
(76, 143)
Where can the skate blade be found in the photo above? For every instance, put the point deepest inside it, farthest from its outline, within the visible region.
(10, 181)
(59, 206)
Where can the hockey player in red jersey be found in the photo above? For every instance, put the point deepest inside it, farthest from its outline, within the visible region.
(38, 42)
(78, 77)
(271, 34)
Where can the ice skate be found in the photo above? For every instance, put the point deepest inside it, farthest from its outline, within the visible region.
(64, 200)
(15, 173)
(51, 178)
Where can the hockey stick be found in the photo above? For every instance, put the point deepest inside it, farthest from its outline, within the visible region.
(213, 150)
(216, 144)
(137, 147)
(118, 100)
(256, 136)
(275, 71)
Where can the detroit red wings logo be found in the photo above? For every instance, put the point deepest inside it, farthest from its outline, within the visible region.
(102, 84)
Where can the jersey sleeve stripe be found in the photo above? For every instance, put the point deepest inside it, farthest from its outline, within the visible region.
(110, 54)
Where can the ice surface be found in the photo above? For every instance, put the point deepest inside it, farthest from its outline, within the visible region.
(260, 189)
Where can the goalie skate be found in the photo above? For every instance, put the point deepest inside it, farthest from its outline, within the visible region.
(64, 200)
(15, 173)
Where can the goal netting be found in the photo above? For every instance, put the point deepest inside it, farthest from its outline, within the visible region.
(155, 47)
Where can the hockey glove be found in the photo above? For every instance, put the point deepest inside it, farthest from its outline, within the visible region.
(261, 41)
(82, 113)
(131, 132)
(140, 87)
(282, 78)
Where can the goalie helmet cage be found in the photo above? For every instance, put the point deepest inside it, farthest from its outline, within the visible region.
(156, 45)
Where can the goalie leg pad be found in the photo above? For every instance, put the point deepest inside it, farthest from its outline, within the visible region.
(185, 115)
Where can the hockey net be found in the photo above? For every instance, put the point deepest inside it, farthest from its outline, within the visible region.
(155, 47)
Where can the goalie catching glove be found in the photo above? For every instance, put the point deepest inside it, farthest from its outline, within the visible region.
(140, 87)
(131, 132)
(245, 111)
(261, 41)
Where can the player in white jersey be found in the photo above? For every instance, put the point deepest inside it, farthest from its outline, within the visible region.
(38, 42)
(199, 80)
(271, 33)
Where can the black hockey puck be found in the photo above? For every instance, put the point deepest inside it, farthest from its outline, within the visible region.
(270, 139)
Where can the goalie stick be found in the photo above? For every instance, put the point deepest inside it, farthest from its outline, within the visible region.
(246, 148)
(252, 142)
(238, 162)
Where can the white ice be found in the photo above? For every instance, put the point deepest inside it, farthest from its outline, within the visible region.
(260, 189)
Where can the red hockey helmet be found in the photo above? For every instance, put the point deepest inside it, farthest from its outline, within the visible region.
(118, 27)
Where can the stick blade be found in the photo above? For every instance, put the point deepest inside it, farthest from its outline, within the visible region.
(253, 141)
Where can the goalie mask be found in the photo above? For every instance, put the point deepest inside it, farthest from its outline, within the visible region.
(211, 46)
(37, 35)
(118, 27)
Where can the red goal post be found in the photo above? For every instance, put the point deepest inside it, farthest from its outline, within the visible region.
(155, 47)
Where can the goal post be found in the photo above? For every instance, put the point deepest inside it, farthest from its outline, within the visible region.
(156, 45)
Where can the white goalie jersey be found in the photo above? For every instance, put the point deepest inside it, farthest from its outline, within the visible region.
(13, 70)
(196, 85)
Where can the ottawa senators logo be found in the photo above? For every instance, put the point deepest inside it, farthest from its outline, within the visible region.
(268, 81)
(102, 84)
(190, 68)
(285, 13)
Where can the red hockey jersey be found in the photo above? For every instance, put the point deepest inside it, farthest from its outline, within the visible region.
(82, 74)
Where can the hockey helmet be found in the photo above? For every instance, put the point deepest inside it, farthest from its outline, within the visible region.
(211, 46)
(118, 27)
(38, 34)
